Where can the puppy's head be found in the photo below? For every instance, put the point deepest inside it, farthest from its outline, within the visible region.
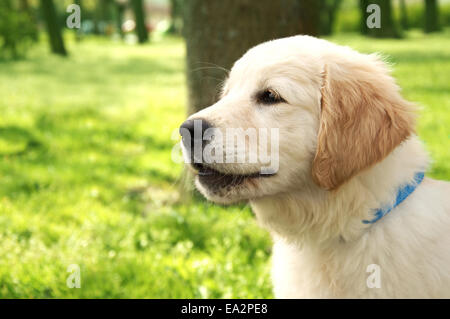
(293, 112)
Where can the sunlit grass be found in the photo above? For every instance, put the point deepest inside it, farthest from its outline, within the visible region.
(87, 176)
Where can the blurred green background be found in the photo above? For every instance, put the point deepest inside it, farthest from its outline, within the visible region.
(86, 170)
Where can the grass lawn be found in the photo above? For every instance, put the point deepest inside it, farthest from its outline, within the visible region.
(87, 176)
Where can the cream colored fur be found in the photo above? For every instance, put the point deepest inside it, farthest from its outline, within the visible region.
(334, 172)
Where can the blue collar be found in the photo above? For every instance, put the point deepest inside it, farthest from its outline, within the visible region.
(402, 194)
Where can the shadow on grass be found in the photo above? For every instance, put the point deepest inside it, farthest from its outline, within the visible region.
(105, 70)
(17, 141)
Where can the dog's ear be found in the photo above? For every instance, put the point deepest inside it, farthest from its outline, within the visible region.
(363, 118)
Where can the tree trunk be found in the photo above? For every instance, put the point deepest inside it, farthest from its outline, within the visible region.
(328, 11)
(363, 24)
(53, 27)
(219, 32)
(25, 7)
(388, 28)
(431, 16)
(139, 16)
(404, 15)
(309, 16)
(120, 9)
(175, 16)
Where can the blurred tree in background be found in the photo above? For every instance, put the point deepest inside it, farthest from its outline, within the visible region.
(218, 32)
(29, 12)
(120, 9)
(53, 27)
(328, 13)
(139, 15)
(102, 14)
(403, 15)
(176, 7)
(21, 20)
(309, 17)
(17, 28)
(431, 16)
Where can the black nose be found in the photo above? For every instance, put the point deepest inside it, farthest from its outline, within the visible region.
(192, 131)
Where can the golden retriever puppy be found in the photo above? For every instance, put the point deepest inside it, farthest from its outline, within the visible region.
(329, 161)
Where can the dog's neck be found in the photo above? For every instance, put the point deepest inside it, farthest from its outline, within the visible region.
(318, 217)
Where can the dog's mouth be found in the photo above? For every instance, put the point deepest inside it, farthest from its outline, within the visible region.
(216, 180)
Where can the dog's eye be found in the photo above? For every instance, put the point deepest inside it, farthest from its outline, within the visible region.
(269, 96)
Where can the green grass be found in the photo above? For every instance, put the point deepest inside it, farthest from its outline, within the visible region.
(87, 176)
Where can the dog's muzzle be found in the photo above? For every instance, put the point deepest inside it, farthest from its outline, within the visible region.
(192, 132)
